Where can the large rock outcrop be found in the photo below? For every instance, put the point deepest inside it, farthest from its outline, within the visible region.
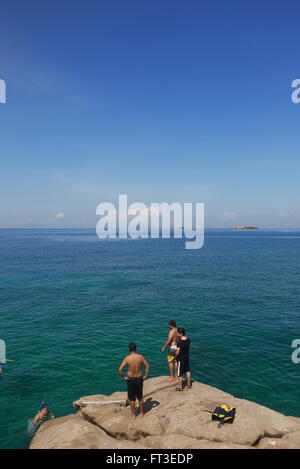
(173, 420)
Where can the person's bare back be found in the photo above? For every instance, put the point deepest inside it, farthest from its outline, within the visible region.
(134, 362)
(135, 377)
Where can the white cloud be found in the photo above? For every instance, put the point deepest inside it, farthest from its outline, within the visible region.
(150, 210)
(293, 215)
(229, 214)
(60, 215)
(284, 214)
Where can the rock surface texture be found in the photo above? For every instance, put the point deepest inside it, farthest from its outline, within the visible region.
(173, 420)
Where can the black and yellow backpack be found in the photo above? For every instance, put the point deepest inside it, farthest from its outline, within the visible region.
(223, 414)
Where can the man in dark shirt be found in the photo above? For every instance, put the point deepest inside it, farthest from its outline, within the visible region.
(183, 358)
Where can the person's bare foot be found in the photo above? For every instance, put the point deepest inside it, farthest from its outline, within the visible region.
(171, 379)
(142, 414)
(132, 417)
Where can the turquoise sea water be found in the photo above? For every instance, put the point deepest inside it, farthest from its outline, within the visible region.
(70, 303)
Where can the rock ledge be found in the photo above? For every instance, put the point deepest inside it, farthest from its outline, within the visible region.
(173, 420)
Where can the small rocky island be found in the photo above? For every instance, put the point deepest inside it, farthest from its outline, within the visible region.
(173, 420)
(242, 227)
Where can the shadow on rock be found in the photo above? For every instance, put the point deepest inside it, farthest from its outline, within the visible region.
(150, 404)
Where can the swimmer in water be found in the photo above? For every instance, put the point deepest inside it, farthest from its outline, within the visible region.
(41, 417)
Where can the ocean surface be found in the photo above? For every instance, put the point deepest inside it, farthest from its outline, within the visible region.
(70, 303)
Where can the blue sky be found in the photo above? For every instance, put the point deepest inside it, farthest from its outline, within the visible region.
(163, 100)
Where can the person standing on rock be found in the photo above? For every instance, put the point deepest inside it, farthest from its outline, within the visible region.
(183, 358)
(135, 378)
(171, 342)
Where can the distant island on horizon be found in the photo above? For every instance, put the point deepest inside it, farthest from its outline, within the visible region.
(242, 227)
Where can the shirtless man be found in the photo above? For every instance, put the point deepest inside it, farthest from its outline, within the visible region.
(172, 343)
(135, 378)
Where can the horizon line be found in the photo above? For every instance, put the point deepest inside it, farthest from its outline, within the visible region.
(94, 228)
